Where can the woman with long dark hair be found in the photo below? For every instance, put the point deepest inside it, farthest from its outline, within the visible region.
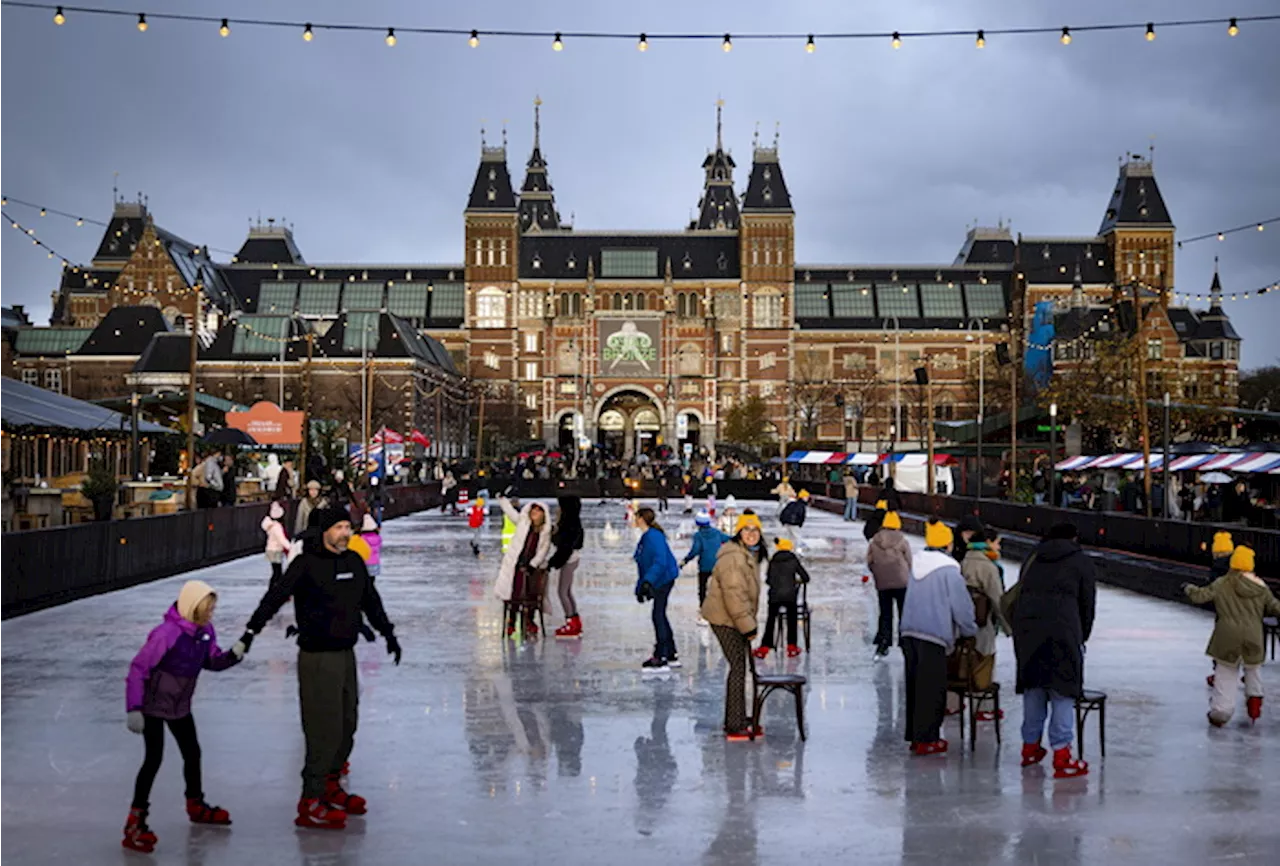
(733, 600)
(657, 569)
(567, 537)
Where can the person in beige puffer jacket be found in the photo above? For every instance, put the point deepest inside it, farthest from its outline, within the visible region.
(733, 600)
(889, 558)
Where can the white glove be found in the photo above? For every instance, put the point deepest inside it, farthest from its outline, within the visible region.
(135, 722)
(239, 650)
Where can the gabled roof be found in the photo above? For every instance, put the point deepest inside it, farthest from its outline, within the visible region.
(766, 189)
(1136, 201)
(123, 232)
(166, 353)
(49, 342)
(28, 406)
(1214, 323)
(124, 331)
(393, 337)
(693, 255)
(1053, 261)
(987, 246)
(14, 317)
(492, 189)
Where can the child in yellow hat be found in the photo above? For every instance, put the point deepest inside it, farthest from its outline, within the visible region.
(786, 575)
(1241, 600)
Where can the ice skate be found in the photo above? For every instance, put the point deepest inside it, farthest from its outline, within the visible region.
(1253, 706)
(137, 835)
(201, 812)
(674, 662)
(793, 651)
(336, 796)
(315, 815)
(654, 665)
(937, 747)
(572, 628)
(1066, 767)
(1033, 753)
(761, 652)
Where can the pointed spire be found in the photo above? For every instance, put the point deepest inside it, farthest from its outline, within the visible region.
(537, 122)
(719, 109)
(537, 199)
(1215, 289)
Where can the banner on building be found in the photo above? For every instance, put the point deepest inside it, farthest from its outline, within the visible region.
(629, 347)
(268, 424)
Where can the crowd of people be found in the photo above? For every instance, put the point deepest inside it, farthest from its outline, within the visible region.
(1189, 497)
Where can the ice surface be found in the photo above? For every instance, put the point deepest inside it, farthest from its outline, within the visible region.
(479, 750)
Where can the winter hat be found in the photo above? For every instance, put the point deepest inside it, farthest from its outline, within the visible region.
(936, 535)
(804, 494)
(783, 544)
(702, 518)
(480, 502)
(970, 523)
(1222, 544)
(730, 502)
(368, 524)
(1242, 559)
(331, 517)
(882, 505)
(313, 485)
(276, 511)
(195, 591)
(891, 521)
(748, 520)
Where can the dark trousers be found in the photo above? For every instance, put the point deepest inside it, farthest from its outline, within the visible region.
(735, 646)
(888, 597)
(776, 608)
(277, 572)
(329, 697)
(926, 665)
(184, 731)
(703, 577)
(207, 497)
(664, 638)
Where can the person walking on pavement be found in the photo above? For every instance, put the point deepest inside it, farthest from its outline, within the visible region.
(850, 496)
(1051, 614)
(733, 601)
(331, 591)
(889, 558)
(567, 537)
(658, 571)
(706, 545)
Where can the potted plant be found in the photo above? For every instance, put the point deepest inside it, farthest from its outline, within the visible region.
(100, 487)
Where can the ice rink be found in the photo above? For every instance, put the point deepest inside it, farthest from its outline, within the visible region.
(482, 750)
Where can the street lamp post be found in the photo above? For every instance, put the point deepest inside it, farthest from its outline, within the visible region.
(1164, 463)
(1053, 452)
(982, 387)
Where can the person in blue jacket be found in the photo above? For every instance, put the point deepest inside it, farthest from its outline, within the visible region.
(706, 544)
(658, 571)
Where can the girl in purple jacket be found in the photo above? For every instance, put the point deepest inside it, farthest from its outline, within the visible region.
(158, 690)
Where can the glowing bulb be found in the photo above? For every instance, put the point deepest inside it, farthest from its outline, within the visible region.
(60, 19)
(981, 41)
(80, 221)
(1221, 236)
(391, 37)
(1151, 32)
(643, 44)
(307, 35)
(897, 40)
(142, 23)
(474, 41)
(727, 45)
(1232, 29)
(810, 46)
(225, 30)
(1066, 36)
(557, 44)
(43, 212)
(1260, 227)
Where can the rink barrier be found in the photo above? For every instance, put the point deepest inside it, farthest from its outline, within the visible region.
(616, 488)
(46, 567)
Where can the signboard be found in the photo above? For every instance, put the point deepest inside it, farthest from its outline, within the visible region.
(268, 424)
(682, 426)
(688, 449)
(629, 347)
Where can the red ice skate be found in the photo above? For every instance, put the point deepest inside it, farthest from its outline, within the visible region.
(761, 652)
(937, 747)
(201, 812)
(793, 651)
(1066, 767)
(336, 796)
(137, 835)
(571, 628)
(1033, 753)
(1253, 706)
(314, 814)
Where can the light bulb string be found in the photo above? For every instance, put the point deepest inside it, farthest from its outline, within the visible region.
(35, 241)
(381, 29)
(10, 200)
(1253, 226)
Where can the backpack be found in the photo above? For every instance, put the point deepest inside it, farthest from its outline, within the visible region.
(981, 606)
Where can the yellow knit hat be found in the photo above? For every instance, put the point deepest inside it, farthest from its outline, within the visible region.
(804, 494)
(1242, 559)
(783, 544)
(938, 535)
(747, 520)
(882, 505)
(1222, 543)
(892, 521)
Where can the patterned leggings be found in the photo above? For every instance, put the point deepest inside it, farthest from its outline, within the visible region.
(735, 646)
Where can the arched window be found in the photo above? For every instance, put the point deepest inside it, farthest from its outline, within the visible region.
(617, 300)
(694, 305)
(640, 301)
(491, 308)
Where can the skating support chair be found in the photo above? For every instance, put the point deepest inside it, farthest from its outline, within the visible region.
(1089, 701)
(766, 684)
(802, 620)
(972, 698)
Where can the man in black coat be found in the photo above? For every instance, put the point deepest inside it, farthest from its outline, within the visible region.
(1052, 619)
(331, 591)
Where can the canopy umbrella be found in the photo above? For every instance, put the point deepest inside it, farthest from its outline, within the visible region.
(228, 436)
(1216, 478)
(555, 455)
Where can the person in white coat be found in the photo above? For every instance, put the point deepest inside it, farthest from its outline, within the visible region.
(522, 572)
(277, 540)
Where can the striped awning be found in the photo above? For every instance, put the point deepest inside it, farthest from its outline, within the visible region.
(1256, 462)
(832, 458)
(1074, 463)
(909, 459)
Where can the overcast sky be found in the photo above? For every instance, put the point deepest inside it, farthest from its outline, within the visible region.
(370, 151)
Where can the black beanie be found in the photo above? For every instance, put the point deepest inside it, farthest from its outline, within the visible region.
(1063, 530)
(330, 517)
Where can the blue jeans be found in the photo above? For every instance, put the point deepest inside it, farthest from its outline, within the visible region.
(1035, 709)
(665, 640)
(850, 509)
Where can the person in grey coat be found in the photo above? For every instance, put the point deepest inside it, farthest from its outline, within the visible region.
(889, 558)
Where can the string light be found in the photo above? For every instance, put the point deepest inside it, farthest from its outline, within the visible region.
(643, 44)
(557, 44)
(142, 22)
(1151, 32)
(727, 45)
(474, 41)
(35, 241)
(44, 212)
(225, 29)
(391, 37)
(60, 19)
(1232, 29)
(810, 46)
(307, 35)
(897, 40)
(1066, 36)
(1221, 235)
(981, 41)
